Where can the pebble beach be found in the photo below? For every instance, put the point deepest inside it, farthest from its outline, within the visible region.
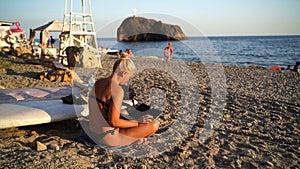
(214, 116)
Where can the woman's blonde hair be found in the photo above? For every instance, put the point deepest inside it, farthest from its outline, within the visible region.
(123, 64)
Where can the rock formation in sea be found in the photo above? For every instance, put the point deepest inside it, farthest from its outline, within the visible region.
(143, 29)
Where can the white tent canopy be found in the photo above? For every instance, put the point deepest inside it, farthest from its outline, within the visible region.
(53, 26)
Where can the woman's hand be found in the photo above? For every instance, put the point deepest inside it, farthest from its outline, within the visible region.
(146, 119)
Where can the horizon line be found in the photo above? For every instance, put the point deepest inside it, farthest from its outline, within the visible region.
(252, 35)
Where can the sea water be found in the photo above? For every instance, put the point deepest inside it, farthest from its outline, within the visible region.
(263, 51)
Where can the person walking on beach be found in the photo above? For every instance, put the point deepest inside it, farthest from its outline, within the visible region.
(105, 101)
(52, 41)
(168, 52)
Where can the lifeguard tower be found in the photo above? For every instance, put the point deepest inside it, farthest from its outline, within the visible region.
(78, 27)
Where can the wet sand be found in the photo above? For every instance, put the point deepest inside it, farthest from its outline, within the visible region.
(223, 117)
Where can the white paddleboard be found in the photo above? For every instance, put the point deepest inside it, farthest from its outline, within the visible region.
(31, 106)
(26, 113)
(47, 93)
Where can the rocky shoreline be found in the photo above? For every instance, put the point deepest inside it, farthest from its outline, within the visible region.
(215, 116)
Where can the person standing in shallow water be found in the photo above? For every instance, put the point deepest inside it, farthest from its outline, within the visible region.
(105, 101)
(168, 52)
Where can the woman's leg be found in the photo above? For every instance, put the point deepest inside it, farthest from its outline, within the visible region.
(117, 139)
(127, 136)
(143, 131)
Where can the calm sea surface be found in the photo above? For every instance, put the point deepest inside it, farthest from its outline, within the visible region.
(242, 51)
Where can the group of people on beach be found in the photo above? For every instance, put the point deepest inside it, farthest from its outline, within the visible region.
(51, 42)
(127, 53)
(168, 52)
(296, 67)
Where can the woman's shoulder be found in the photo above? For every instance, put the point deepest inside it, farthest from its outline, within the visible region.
(117, 88)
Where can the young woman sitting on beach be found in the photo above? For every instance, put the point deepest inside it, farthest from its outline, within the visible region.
(105, 103)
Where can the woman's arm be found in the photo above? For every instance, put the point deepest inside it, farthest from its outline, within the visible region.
(115, 109)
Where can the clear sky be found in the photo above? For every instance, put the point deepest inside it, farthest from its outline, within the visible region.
(209, 17)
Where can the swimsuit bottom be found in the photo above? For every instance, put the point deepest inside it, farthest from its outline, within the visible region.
(97, 137)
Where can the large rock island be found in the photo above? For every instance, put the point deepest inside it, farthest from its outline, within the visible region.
(143, 29)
